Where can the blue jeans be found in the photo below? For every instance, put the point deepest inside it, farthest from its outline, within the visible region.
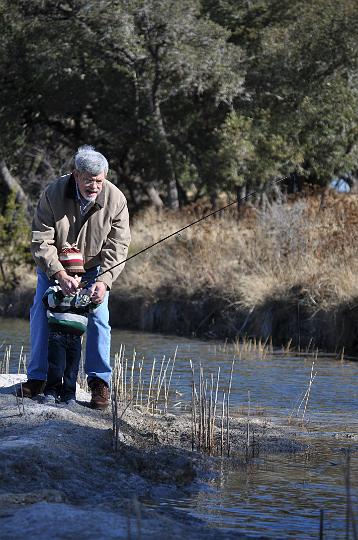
(98, 340)
(64, 354)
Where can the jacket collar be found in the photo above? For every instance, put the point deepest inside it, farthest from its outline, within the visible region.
(72, 192)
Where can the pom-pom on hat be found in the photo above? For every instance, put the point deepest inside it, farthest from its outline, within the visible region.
(71, 259)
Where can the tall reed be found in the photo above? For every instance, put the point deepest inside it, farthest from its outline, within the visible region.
(254, 347)
(143, 383)
(115, 399)
(5, 362)
(206, 436)
(303, 399)
(248, 425)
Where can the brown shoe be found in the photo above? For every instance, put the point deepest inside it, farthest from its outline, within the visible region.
(100, 394)
(30, 388)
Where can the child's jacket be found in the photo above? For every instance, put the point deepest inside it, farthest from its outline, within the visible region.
(67, 313)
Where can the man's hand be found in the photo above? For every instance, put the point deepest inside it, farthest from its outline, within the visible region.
(98, 292)
(68, 284)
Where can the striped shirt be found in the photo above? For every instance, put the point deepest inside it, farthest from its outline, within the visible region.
(67, 313)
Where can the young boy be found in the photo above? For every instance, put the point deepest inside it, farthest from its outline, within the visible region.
(67, 318)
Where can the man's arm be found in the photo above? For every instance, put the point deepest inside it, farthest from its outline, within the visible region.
(115, 248)
(43, 247)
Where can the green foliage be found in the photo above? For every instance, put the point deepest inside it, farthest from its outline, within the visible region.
(14, 243)
(171, 54)
(198, 96)
(300, 88)
(251, 152)
(332, 114)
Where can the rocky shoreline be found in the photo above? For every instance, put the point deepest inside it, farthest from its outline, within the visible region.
(61, 476)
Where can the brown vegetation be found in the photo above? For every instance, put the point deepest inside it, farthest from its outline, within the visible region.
(308, 243)
(290, 262)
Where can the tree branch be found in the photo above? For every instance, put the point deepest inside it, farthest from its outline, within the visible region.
(10, 182)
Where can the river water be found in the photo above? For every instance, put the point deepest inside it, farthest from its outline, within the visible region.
(276, 496)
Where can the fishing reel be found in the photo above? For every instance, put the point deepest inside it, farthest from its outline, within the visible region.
(83, 299)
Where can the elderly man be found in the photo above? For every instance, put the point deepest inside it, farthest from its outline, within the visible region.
(85, 210)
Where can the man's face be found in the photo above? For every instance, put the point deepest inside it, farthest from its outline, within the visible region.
(89, 186)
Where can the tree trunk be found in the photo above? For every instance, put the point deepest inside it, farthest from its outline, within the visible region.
(11, 184)
(241, 193)
(169, 179)
(154, 196)
(277, 194)
(183, 197)
(214, 200)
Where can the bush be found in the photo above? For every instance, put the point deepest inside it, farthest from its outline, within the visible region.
(14, 243)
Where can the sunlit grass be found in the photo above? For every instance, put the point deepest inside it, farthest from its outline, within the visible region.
(300, 247)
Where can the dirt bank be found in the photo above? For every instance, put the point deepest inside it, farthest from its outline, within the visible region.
(284, 318)
(60, 477)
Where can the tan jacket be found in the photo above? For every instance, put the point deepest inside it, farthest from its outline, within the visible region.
(102, 235)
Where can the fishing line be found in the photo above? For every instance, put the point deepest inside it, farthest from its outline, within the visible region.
(238, 202)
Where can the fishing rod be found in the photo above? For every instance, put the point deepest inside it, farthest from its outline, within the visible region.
(238, 202)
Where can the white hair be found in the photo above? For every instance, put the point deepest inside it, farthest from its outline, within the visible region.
(87, 159)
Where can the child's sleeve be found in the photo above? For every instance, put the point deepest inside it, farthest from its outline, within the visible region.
(53, 296)
(45, 298)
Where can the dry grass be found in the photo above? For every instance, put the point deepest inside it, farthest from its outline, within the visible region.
(307, 245)
(190, 260)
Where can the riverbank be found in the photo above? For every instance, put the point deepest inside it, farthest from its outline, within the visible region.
(289, 273)
(60, 473)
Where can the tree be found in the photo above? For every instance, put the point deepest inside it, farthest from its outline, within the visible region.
(300, 99)
(170, 52)
(112, 72)
(14, 242)
(182, 96)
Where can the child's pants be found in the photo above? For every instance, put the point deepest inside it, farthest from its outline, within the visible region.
(64, 354)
